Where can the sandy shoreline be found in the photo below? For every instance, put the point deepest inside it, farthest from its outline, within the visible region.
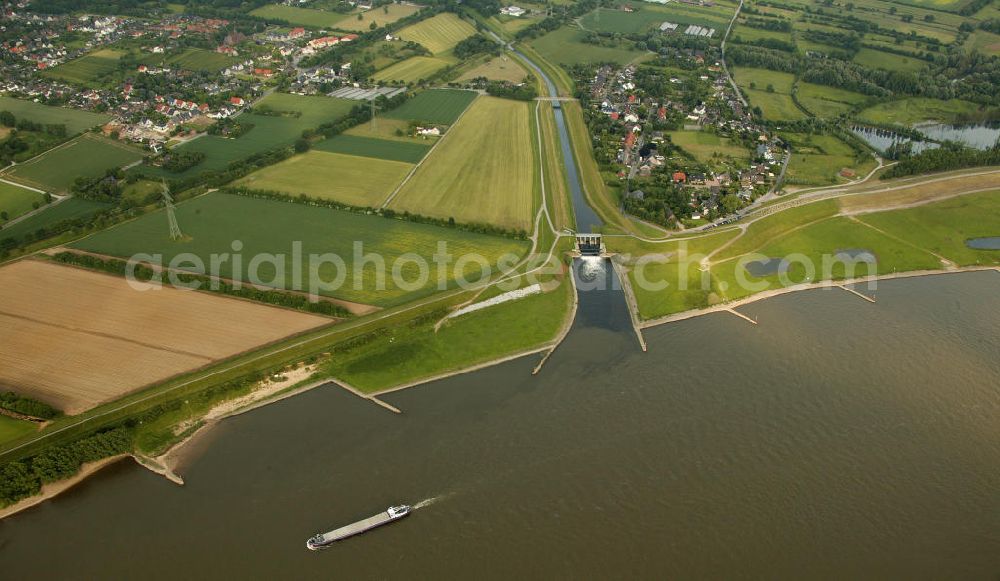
(271, 391)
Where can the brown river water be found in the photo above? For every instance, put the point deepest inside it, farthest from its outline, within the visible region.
(837, 439)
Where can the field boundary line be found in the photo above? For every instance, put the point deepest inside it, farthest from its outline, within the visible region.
(430, 152)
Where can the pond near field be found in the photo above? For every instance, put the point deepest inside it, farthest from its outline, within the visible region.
(882, 139)
(982, 136)
(767, 267)
(988, 243)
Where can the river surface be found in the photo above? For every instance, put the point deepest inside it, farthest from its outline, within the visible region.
(836, 439)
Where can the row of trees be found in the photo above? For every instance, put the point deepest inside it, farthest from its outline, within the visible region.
(947, 157)
(516, 234)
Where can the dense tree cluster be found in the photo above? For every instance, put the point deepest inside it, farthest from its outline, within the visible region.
(942, 159)
(522, 92)
(475, 44)
(27, 406)
(179, 160)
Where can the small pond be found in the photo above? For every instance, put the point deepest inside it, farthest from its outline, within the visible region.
(987, 243)
(767, 267)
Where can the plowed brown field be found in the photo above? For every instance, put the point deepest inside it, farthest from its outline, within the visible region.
(75, 339)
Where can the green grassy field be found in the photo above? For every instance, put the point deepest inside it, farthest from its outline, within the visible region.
(307, 17)
(616, 20)
(11, 429)
(85, 156)
(877, 59)
(16, 200)
(380, 15)
(708, 147)
(985, 42)
(809, 232)
(213, 221)
(818, 159)
(481, 336)
(89, 69)
(565, 46)
(199, 59)
(438, 34)
(413, 69)
(918, 109)
(437, 106)
(776, 105)
(405, 151)
(501, 68)
(71, 208)
(358, 181)
(75, 120)
(823, 101)
(483, 171)
(268, 131)
(386, 130)
(944, 227)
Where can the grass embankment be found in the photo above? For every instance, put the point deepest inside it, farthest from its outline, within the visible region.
(417, 352)
(12, 429)
(927, 237)
(481, 172)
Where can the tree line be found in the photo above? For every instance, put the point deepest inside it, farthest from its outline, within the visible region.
(144, 273)
(476, 227)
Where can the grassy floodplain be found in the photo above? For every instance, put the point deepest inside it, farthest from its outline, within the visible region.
(307, 17)
(438, 34)
(17, 201)
(75, 120)
(89, 69)
(418, 353)
(901, 240)
(481, 172)
(437, 106)
(358, 181)
(86, 156)
(405, 151)
(878, 59)
(214, 221)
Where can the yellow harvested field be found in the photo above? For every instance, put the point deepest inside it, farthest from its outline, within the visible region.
(75, 339)
(482, 170)
(886, 195)
(438, 34)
